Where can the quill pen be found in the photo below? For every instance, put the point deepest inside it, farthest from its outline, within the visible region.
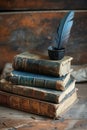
(63, 30)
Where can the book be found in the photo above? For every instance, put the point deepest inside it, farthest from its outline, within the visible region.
(36, 106)
(39, 93)
(36, 80)
(40, 64)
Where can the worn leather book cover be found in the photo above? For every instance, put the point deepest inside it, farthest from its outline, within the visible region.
(36, 106)
(36, 63)
(44, 94)
(37, 80)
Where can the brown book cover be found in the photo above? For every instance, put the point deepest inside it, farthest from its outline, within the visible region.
(38, 93)
(36, 63)
(36, 106)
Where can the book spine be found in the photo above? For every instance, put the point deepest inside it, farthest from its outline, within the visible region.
(27, 104)
(36, 82)
(36, 66)
(29, 92)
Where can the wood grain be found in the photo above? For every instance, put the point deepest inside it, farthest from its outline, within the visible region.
(35, 31)
(42, 4)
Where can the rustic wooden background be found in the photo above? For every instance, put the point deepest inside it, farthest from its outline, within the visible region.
(31, 25)
(42, 4)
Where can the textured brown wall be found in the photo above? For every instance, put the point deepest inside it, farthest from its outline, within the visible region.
(34, 30)
(42, 4)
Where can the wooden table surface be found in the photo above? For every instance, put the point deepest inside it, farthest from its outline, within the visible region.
(74, 119)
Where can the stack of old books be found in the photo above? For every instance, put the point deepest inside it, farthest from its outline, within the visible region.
(39, 85)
